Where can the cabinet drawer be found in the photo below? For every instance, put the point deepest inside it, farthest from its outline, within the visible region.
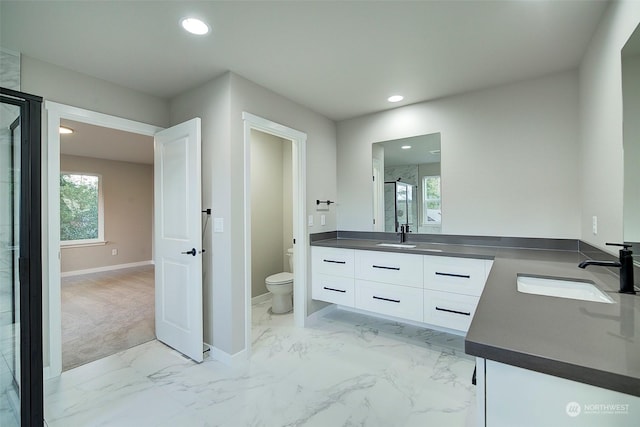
(452, 311)
(393, 300)
(334, 261)
(335, 289)
(389, 267)
(459, 275)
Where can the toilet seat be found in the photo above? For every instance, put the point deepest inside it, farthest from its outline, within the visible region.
(279, 279)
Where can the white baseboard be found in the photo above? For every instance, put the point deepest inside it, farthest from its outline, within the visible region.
(107, 268)
(261, 298)
(314, 317)
(226, 358)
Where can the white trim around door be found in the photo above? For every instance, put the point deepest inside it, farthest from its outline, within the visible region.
(299, 165)
(51, 214)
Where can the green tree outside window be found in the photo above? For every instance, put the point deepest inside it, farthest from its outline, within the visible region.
(79, 207)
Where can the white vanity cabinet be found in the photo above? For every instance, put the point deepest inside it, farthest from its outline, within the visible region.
(512, 396)
(435, 290)
(452, 290)
(389, 283)
(333, 275)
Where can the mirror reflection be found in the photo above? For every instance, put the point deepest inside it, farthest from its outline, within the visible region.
(407, 184)
(631, 138)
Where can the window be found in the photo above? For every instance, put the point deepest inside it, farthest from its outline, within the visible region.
(81, 209)
(431, 205)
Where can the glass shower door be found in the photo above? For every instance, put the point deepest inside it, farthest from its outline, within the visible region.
(10, 138)
(21, 388)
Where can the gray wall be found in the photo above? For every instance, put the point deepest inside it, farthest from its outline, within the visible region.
(513, 142)
(602, 164)
(69, 87)
(271, 219)
(128, 214)
(220, 104)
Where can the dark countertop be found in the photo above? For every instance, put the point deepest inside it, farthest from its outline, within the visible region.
(589, 342)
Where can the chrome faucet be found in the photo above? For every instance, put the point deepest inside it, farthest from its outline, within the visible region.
(625, 264)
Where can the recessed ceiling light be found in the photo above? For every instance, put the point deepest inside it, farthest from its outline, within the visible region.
(405, 147)
(65, 130)
(395, 98)
(195, 26)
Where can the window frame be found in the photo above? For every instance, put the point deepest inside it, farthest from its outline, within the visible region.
(425, 200)
(100, 239)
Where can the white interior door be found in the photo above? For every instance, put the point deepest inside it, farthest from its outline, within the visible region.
(178, 243)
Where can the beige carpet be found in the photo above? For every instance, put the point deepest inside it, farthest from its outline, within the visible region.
(104, 313)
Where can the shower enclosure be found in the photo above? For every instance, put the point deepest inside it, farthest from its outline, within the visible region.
(21, 391)
(400, 206)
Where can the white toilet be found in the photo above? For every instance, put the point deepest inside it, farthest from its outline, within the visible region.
(281, 287)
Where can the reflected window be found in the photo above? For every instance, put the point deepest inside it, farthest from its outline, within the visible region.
(431, 206)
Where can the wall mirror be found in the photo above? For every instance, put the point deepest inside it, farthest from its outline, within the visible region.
(631, 138)
(407, 184)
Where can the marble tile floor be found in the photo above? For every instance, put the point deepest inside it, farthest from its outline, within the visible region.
(348, 369)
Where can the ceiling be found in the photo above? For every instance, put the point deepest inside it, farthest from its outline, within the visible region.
(105, 143)
(341, 59)
(424, 149)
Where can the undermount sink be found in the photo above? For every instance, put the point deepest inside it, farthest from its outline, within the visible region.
(396, 245)
(562, 288)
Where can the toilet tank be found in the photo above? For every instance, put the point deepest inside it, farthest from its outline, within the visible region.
(290, 255)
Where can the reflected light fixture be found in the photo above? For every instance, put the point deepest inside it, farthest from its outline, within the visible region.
(405, 147)
(395, 98)
(65, 130)
(195, 26)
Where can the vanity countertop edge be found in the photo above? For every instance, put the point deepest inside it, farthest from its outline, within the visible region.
(588, 342)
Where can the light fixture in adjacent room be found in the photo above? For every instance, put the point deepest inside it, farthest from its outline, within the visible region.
(195, 26)
(395, 98)
(65, 130)
(405, 147)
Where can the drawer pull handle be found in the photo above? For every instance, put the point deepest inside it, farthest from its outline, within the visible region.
(385, 267)
(464, 276)
(334, 262)
(464, 313)
(334, 290)
(386, 299)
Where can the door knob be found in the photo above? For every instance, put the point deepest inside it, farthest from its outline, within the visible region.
(191, 252)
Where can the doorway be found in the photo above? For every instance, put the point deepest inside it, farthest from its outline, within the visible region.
(106, 234)
(59, 114)
(298, 202)
(271, 218)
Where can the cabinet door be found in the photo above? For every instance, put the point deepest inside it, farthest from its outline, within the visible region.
(335, 289)
(333, 261)
(399, 301)
(458, 275)
(389, 267)
(524, 398)
(453, 311)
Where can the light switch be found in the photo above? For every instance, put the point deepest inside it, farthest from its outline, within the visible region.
(218, 225)
(594, 224)
(310, 221)
(323, 219)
